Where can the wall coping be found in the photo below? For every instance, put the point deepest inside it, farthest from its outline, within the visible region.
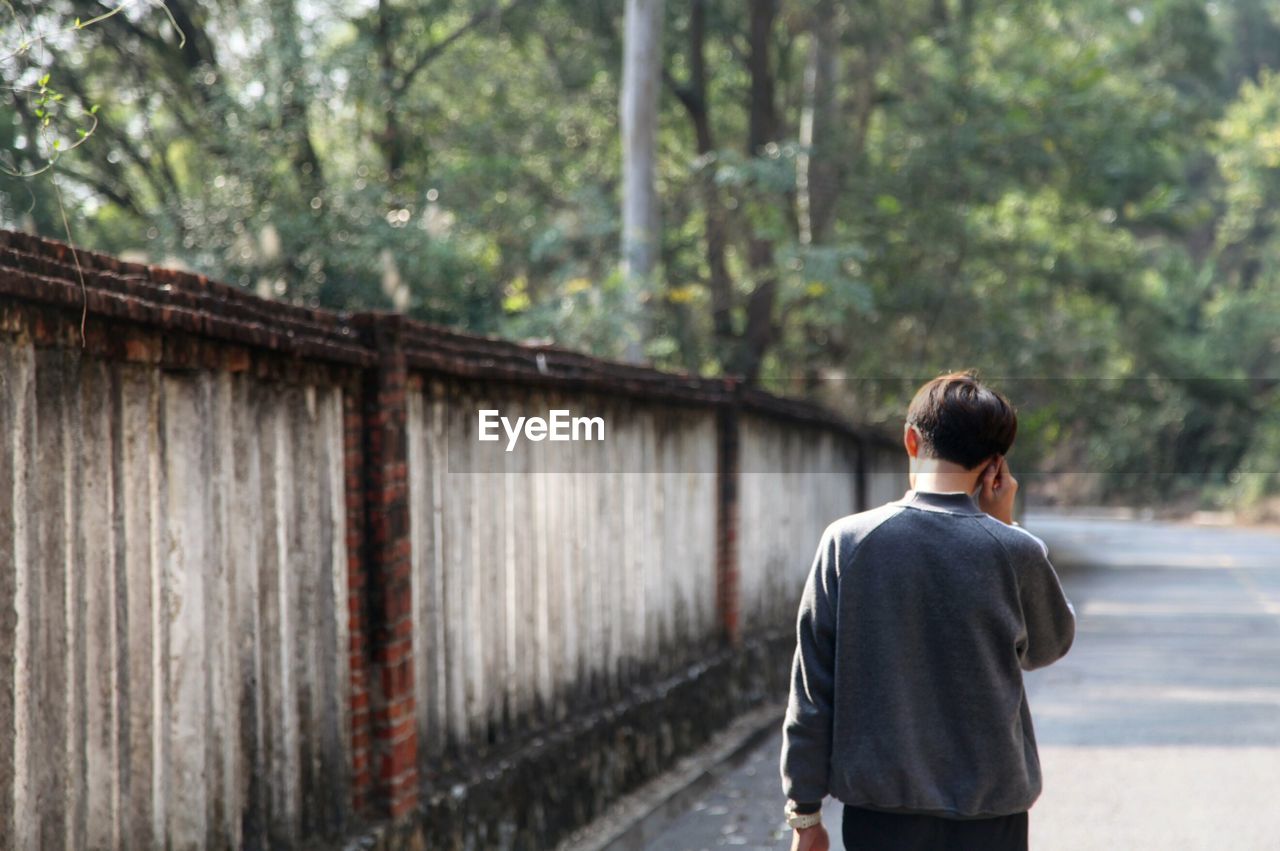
(43, 271)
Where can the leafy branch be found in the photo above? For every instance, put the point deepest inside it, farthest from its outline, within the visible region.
(46, 110)
(47, 106)
(29, 41)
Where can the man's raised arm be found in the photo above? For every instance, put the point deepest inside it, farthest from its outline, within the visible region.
(1050, 618)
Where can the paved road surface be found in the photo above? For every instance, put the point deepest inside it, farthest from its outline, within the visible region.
(1161, 728)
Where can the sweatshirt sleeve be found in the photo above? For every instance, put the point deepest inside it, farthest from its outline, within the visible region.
(1049, 616)
(806, 730)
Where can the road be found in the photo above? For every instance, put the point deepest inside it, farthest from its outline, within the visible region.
(1160, 729)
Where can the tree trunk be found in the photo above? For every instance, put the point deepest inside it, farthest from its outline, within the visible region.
(638, 117)
(762, 128)
(694, 98)
(391, 139)
(295, 103)
(819, 167)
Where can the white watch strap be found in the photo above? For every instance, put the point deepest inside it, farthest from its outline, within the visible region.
(802, 820)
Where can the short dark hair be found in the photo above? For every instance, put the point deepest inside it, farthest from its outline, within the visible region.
(962, 420)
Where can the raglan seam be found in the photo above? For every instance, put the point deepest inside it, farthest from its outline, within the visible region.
(858, 546)
(841, 563)
(1039, 541)
(1017, 580)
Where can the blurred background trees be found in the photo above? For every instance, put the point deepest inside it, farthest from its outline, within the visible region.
(1080, 199)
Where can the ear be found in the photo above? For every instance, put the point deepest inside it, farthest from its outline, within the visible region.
(911, 439)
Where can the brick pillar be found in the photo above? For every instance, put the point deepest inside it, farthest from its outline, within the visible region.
(353, 465)
(727, 471)
(388, 585)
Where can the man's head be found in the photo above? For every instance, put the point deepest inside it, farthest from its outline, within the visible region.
(958, 419)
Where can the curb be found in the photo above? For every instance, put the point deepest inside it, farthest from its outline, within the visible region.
(636, 819)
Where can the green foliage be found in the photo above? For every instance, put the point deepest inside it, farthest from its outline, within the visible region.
(1080, 199)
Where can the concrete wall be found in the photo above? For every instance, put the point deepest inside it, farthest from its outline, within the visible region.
(794, 482)
(552, 576)
(173, 578)
(884, 471)
(260, 586)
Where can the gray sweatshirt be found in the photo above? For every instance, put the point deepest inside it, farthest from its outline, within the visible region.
(916, 622)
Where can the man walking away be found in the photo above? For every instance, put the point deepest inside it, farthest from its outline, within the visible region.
(916, 622)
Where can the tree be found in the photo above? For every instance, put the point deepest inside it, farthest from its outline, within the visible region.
(638, 120)
(864, 191)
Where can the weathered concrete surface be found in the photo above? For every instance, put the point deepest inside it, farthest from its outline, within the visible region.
(1161, 728)
(554, 576)
(173, 598)
(793, 482)
(530, 792)
(188, 660)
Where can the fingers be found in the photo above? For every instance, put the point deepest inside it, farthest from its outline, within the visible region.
(1006, 475)
(989, 478)
(1002, 474)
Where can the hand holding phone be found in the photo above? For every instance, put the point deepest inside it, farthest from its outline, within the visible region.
(996, 489)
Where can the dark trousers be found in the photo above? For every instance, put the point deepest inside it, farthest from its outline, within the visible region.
(869, 830)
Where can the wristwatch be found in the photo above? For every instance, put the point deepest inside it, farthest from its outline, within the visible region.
(800, 821)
